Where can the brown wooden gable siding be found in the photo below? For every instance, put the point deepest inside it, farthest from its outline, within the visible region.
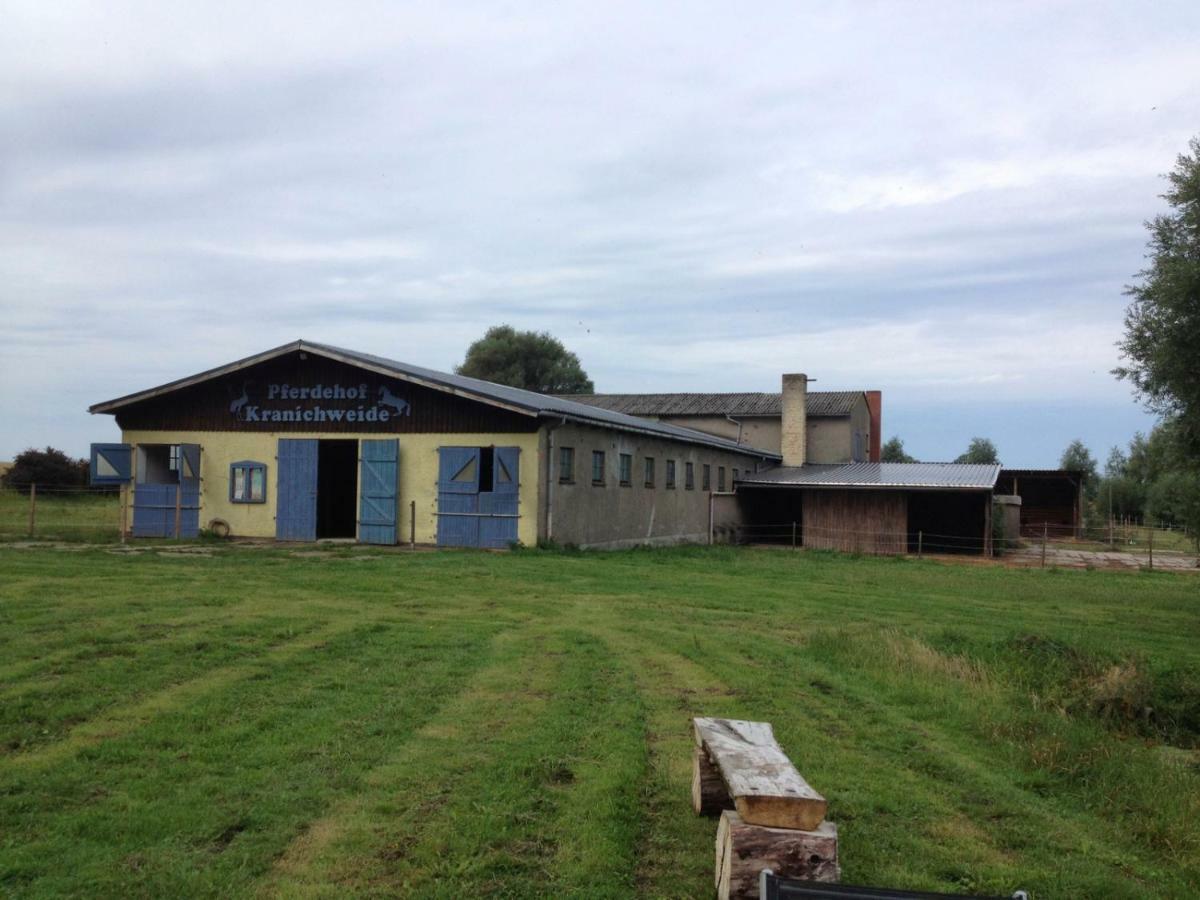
(856, 521)
(233, 402)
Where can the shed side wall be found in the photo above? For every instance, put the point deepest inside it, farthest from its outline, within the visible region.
(856, 521)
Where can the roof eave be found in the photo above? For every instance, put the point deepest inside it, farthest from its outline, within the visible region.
(698, 438)
(112, 406)
(826, 486)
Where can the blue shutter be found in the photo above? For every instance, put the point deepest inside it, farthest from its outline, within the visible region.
(379, 479)
(500, 530)
(296, 492)
(111, 464)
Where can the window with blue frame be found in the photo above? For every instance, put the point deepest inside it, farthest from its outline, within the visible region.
(247, 482)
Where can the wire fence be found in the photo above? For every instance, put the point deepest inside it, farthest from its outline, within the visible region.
(1110, 544)
(59, 513)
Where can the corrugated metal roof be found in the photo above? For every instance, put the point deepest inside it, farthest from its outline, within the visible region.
(820, 403)
(1044, 473)
(516, 399)
(913, 476)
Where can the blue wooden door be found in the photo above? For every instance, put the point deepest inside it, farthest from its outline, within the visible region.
(154, 510)
(296, 494)
(498, 525)
(189, 483)
(458, 497)
(379, 484)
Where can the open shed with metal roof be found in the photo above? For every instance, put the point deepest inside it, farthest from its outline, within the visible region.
(1051, 499)
(883, 508)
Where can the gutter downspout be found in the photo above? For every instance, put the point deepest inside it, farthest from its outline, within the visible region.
(738, 424)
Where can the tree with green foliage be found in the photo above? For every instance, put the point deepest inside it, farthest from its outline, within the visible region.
(1077, 458)
(1174, 500)
(893, 451)
(46, 468)
(980, 450)
(1118, 495)
(1161, 346)
(535, 361)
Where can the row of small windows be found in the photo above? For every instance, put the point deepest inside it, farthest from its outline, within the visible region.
(566, 471)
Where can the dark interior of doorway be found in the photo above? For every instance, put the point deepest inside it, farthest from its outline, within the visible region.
(337, 487)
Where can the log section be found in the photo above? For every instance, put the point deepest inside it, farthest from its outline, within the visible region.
(765, 787)
(744, 850)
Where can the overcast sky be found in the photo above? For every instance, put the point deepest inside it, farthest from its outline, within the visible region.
(943, 201)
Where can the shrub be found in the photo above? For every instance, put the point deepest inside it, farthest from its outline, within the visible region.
(50, 467)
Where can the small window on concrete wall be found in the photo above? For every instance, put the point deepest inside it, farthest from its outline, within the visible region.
(597, 467)
(706, 478)
(720, 478)
(626, 475)
(689, 476)
(566, 465)
(248, 482)
(649, 471)
(670, 474)
(735, 476)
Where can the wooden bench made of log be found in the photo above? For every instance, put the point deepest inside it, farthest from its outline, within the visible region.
(739, 764)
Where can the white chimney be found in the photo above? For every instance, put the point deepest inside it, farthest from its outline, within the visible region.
(795, 419)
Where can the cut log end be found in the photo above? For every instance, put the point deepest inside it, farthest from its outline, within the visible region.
(801, 813)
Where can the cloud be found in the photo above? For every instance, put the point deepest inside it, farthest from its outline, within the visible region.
(940, 200)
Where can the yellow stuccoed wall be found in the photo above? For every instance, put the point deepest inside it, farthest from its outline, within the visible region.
(418, 475)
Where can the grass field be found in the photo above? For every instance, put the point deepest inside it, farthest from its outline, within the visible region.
(61, 515)
(267, 722)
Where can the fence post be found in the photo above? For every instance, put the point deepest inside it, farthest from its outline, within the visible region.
(412, 525)
(1045, 534)
(793, 535)
(1151, 544)
(178, 511)
(121, 512)
(920, 543)
(32, 508)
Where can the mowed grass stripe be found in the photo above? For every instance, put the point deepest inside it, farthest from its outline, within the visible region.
(118, 677)
(675, 852)
(201, 797)
(525, 785)
(123, 719)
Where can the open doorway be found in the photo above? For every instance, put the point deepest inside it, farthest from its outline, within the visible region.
(337, 488)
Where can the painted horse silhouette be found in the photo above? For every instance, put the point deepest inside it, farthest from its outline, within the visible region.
(387, 398)
(236, 406)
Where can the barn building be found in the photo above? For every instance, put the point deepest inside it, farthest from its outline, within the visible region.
(841, 426)
(308, 441)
